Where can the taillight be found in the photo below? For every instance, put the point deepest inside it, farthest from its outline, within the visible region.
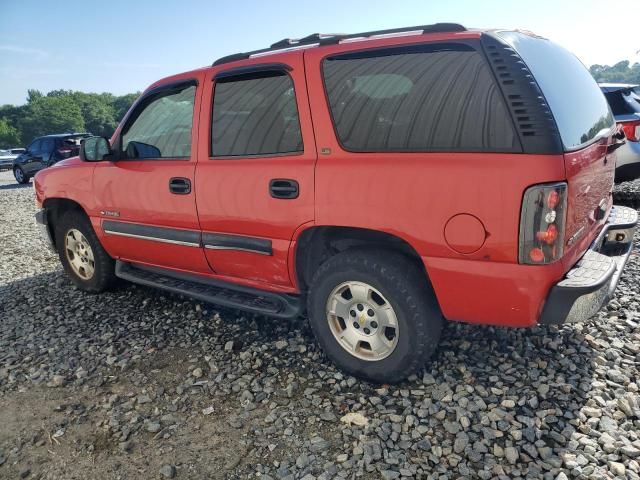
(65, 152)
(631, 130)
(542, 223)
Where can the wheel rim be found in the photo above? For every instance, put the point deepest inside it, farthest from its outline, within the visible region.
(19, 175)
(79, 254)
(362, 321)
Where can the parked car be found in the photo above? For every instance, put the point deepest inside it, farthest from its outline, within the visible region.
(624, 100)
(44, 152)
(7, 156)
(397, 207)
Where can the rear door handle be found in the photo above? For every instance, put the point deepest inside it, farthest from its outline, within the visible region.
(180, 185)
(284, 188)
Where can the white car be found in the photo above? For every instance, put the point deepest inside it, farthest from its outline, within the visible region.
(7, 156)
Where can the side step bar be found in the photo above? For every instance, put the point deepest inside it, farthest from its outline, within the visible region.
(279, 305)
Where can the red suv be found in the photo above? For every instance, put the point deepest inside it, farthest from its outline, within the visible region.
(381, 181)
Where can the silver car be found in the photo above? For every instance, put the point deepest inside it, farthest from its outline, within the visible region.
(624, 100)
(7, 156)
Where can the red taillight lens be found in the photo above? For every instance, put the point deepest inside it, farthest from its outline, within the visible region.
(542, 223)
(549, 236)
(631, 130)
(552, 199)
(64, 152)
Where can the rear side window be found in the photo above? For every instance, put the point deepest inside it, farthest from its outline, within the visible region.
(580, 110)
(161, 128)
(255, 115)
(417, 98)
(47, 145)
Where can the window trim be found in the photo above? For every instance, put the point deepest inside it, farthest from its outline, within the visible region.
(474, 45)
(140, 104)
(245, 71)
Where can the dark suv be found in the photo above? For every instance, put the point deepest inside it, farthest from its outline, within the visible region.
(44, 152)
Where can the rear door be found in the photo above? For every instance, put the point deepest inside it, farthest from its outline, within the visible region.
(586, 127)
(145, 197)
(255, 174)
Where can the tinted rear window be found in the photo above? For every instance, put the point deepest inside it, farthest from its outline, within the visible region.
(578, 105)
(623, 102)
(417, 98)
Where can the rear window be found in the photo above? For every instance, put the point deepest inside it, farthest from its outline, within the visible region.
(580, 110)
(623, 102)
(417, 98)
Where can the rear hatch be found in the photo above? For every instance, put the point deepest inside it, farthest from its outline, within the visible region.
(586, 126)
(625, 104)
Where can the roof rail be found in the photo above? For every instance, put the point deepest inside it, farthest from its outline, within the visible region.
(316, 39)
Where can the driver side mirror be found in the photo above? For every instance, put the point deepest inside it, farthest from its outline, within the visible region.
(95, 149)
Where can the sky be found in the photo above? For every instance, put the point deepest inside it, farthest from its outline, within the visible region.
(121, 46)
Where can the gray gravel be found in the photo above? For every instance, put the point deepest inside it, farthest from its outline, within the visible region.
(135, 383)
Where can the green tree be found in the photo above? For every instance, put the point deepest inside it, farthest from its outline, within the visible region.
(123, 103)
(47, 115)
(9, 135)
(621, 72)
(98, 112)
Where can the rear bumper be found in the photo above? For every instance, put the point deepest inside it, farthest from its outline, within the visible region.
(592, 281)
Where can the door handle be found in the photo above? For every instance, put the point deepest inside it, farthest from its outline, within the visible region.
(284, 188)
(180, 186)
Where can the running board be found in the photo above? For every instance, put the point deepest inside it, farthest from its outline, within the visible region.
(279, 305)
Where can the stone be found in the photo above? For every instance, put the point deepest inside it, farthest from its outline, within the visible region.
(168, 471)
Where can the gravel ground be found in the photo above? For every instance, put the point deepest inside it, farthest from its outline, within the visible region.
(139, 384)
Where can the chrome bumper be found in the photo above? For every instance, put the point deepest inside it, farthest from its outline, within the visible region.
(591, 283)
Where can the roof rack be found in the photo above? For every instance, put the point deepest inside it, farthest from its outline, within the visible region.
(316, 39)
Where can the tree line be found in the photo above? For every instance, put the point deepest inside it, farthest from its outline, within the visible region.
(61, 111)
(621, 72)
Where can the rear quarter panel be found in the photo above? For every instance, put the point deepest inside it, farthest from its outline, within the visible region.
(414, 195)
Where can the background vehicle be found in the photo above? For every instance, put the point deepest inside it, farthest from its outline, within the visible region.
(624, 100)
(436, 180)
(7, 156)
(44, 152)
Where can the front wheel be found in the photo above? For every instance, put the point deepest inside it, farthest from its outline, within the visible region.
(84, 259)
(374, 314)
(20, 176)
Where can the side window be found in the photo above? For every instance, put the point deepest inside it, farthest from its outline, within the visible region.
(417, 98)
(255, 115)
(34, 148)
(46, 146)
(161, 127)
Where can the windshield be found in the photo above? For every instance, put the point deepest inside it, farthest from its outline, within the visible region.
(580, 110)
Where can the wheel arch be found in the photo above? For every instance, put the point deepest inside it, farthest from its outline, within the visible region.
(56, 208)
(316, 244)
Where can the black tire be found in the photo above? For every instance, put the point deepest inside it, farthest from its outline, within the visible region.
(20, 176)
(104, 266)
(410, 294)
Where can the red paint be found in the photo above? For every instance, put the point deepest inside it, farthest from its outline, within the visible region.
(471, 259)
(464, 233)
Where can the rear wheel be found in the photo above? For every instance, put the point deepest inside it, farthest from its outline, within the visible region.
(88, 265)
(20, 176)
(374, 314)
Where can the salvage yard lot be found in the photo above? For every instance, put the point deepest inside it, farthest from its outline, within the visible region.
(136, 383)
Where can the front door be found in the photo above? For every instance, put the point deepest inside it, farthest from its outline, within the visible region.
(145, 197)
(256, 157)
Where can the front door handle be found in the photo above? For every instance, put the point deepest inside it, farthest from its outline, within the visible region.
(180, 185)
(284, 188)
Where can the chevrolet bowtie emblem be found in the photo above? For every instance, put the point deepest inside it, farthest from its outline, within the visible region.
(361, 320)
